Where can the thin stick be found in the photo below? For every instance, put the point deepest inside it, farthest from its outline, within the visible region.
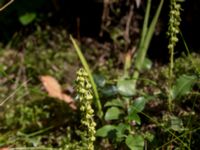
(6, 5)
(128, 23)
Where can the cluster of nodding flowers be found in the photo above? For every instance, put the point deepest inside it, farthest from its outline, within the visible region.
(85, 97)
(173, 27)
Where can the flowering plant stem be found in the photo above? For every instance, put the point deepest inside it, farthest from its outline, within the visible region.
(173, 31)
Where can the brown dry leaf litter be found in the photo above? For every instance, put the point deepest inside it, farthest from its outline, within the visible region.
(54, 90)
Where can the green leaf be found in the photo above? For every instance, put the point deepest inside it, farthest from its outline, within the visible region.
(147, 64)
(109, 90)
(27, 18)
(183, 85)
(116, 33)
(135, 142)
(134, 117)
(138, 104)
(126, 87)
(113, 113)
(176, 124)
(114, 102)
(99, 80)
(149, 136)
(104, 131)
(137, 107)
(121, 128)
(2, 72)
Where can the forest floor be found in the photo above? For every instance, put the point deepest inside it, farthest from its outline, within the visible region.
(31, 114)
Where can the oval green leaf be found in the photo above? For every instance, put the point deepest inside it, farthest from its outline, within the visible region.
(99, 80)
(138, 105)
(183, 85)
(113, 113)
(114, 102)
(126, 87)
(27, 18)
(135, 142)
(109, 90)
(104, 131)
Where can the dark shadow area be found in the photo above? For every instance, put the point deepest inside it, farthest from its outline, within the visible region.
(83, 19)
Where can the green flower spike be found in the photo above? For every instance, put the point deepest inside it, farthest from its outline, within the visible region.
(84, 91)
(173, 30)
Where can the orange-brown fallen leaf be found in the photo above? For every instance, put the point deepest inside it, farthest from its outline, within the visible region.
(54, 90)
(4, 148)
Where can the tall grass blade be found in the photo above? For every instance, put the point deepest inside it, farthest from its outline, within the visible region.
(144, 46)
(146, 21)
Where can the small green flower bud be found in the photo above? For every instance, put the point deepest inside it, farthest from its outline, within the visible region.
(88, 96)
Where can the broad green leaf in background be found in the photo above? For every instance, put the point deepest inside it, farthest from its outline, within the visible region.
(135, 142)
(138, 104)
(27, 18)
(113, 113)
(183, 85)
(114, 102)
(99, 80)
(108, 90)
(126, 87)
(104, 131)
